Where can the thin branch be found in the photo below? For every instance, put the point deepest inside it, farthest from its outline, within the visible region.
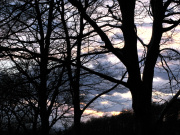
(106, 77)
(167, 107)
(176, 23)
(92, 100)
(176, 51)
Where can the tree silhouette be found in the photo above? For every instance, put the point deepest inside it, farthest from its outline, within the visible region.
(26, 42)
(19, 109)
(56, 45)
(162, 13)
(37, 39)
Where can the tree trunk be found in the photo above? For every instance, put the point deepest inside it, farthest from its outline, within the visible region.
(44, 115)
(77, 111)
(77, 123)
(45, 125)
(43, 96)
(77, 108)
(141, 88)
(142, 111)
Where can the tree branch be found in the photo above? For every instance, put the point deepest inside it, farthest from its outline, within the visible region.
(92, 100)
(106, 77)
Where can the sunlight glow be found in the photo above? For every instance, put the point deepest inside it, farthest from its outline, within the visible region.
(114, 113)
(160, 96)
(157, 79)
(94, 113)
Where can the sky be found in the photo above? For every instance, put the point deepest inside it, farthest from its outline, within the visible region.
(120, 99)
(114, 103)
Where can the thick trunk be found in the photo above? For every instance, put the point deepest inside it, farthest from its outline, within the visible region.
(77, 123)
(141, 101)
(45, 125)
(141, 94)
(141, 89)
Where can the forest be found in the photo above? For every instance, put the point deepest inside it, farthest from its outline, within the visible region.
(60, 59)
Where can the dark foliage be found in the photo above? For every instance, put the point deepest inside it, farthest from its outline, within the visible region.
(123, 124)
(114, 125)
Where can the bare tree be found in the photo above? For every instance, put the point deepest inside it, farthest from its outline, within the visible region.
(162, 12)
(19, 109)
(54, 44)
(27, 41)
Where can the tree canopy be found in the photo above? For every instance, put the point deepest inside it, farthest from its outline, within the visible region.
(61, 52)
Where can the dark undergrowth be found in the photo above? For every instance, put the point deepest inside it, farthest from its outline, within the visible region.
(122, 124)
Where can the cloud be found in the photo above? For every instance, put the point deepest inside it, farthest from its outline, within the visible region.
(114, 102)
(120, 98)
(108, 105)
(161, 97)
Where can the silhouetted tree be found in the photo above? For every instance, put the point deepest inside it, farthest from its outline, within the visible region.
(55, 43)
(114, 125)
(45, 47)
(18, 106)
(123, 14)
(77, 39)
(27, 42)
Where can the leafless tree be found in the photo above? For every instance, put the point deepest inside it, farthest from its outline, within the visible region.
(164, 16)
(27, 42)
